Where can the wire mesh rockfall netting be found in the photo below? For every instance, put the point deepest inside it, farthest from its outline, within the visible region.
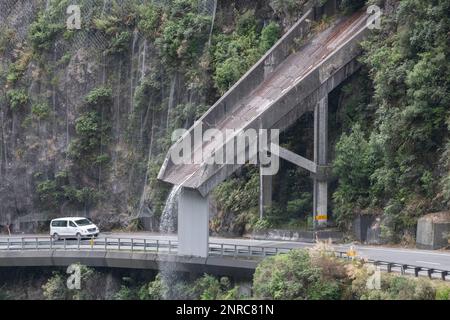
(17, 15)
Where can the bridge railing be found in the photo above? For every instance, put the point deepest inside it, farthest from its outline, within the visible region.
(132, 244)
(237, 251)
(127, 244)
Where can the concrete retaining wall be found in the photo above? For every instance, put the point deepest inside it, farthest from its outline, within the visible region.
(433, 231)
(293, 235)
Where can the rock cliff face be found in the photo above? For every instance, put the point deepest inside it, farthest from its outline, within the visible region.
(85, 115)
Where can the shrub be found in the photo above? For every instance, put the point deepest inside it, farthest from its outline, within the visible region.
(207, 288)
(356, 160)
(239, 194)
(41, 111)
(155, 290)
(99, 96)
(233, 55)
(269, 35)
(42, 33)
(88, 128)
(125, 293)
(6, 35)
(55, 288)
(149, 19)
(443, 292)
(183, 36)
(49, 193)
(17, 98)
(120, 43)
(293, 276)
(17, 69)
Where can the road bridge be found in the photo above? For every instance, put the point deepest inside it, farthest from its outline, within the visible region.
(237, 258)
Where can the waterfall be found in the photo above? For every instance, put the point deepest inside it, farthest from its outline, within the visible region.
(169, 215)
(213, 19)
(103, 8)
(167, 225)
(143, 56)
(171, 99)
(135, 38)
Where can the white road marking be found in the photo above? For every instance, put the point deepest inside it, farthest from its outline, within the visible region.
(427, 262)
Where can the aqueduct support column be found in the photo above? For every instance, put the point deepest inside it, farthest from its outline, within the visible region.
(265, 193)
(193, 224)
(321, 160)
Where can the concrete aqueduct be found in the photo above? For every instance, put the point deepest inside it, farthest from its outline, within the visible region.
(295, 76)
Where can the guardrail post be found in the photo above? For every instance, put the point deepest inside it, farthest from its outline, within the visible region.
(65, 243)
(221, 249)
(416, 271)
(443, 275)
(249, 250)
(264, 251)
(7, 246)
(403, 269)
(389, 267)
(106, 243)
(276, 251)
(157, 246)
(37, 244)
(119, 243)
(145, 245)
(170, 246)
(132, 245)
(430, 273)
(78, 243)
(21, 241)
(235, 251)
(51, 243)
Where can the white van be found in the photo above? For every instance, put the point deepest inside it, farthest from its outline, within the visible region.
(77, 227)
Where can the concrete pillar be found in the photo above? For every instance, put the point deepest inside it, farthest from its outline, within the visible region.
(193, 224)
(265, 193)
(321, 159)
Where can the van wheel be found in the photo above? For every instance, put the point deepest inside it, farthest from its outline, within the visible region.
(55, 236)
(78, 236)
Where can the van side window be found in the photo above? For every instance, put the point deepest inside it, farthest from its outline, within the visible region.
(59, 223)
(72, 224)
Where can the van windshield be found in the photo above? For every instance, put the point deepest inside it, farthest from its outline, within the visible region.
(83, 222)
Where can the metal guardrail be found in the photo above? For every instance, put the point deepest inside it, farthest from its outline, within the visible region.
(125, 244)
(171, 247)
(400, 267)
(132, 244)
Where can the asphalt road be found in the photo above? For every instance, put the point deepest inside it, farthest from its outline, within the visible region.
(422, 258)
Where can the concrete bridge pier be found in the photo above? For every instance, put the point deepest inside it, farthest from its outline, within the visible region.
(193, 224)
(265, 193)
(320, 206)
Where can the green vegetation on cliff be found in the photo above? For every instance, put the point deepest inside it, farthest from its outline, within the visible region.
(393, 156)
